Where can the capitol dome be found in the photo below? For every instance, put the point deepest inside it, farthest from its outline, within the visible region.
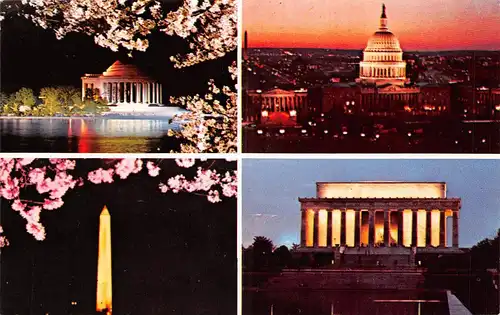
(383, 57)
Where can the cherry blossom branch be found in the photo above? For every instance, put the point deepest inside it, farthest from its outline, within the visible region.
(53, 180)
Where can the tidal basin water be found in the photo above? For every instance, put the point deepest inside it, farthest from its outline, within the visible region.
(87, 135)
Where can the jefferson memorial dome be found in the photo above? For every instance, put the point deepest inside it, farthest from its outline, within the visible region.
(383, 58)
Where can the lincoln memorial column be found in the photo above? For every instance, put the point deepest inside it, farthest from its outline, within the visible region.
(342, 227)
(400, 227)
(414, 229)
(161, 94)
(83, 90)
(387, 216)
(442, 228)
(455, 228)
(316, 228)
(428, 227)
(303, 227)
(329, 228)
(371, 227)
(357, 227)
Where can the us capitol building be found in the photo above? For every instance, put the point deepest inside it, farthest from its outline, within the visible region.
(381, 88)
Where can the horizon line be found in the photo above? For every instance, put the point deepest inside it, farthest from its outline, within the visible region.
(411, 50)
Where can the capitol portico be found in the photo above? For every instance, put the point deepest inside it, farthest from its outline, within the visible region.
(122, 84)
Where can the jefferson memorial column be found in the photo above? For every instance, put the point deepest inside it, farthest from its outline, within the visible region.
(158, 93)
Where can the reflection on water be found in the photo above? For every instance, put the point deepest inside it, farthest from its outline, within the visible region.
(84, 135)
(329, 302)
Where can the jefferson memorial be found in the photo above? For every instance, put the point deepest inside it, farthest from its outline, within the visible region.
(122, 84)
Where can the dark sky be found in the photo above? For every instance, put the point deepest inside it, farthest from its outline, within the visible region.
(271, 189)
(32, 57)
(172, 253)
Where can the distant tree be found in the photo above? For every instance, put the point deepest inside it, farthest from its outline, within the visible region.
(261, 253)
(247, 258)
(19, 103)
(3, 99)
(485, 254)
(295, 247)
(51, 104)
(282, 257)
(262, 245)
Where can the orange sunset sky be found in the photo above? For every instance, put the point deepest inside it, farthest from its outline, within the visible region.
(347, 24)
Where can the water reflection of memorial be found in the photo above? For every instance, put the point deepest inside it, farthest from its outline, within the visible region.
(346, 302)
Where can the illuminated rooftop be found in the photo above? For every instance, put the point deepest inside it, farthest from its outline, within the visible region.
(381, 189)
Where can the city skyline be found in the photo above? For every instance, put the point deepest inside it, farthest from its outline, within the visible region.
(273, 210)
(460, 25)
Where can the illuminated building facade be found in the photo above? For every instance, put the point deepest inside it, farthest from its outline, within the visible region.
(386, 217)
(483, 102)
(275, 105)
(122, 84)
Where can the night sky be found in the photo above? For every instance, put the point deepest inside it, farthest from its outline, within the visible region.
(172, 253)
(271, 189)
(32, 57)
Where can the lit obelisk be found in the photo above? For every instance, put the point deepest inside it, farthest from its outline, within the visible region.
(104, 263)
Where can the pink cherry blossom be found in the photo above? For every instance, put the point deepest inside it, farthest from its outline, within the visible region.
(127, 166)
(26, 161)
(53, 181)
(51, 204)
(10, 189)
(36, 229)
(163, 188)
(3, 241)
(213, 196)
(36, 175)
(153, 170)
(18, 205)
(101, 176)
(186, 163)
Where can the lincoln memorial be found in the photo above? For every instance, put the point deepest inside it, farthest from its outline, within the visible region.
(383, 217)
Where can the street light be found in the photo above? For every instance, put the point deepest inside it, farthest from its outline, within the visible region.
(293, 113)
(265, 113)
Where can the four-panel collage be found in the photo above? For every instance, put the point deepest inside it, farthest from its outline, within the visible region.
(246, 157)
